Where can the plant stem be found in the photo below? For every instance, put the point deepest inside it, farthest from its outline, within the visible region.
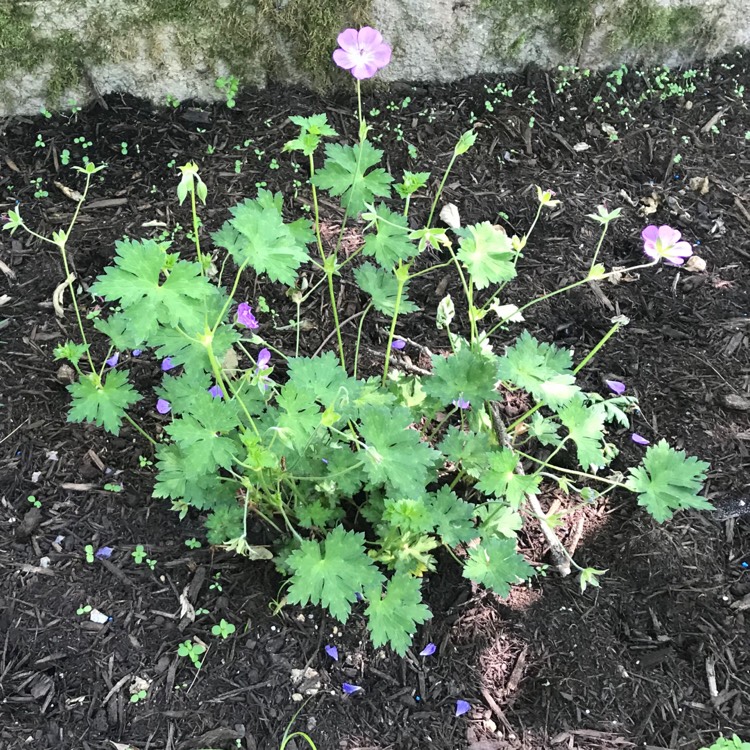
(440, 190)
(574, 472)
(196, 238)
(401, 281)
(359, 337)
(133, 423)
(607, 336)
(598, 246)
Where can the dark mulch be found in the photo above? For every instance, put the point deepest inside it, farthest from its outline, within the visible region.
(658, 656)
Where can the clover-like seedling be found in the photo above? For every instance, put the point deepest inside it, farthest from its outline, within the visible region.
(139, 696)
(224, 629)
(36, 503)
(192, 543)
(89, 550)
(193, 651)
(84, 609)
(138, 554)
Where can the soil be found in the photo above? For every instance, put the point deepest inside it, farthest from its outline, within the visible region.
(657, 656)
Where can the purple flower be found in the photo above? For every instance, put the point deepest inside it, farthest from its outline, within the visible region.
(615, 386)
(245, 316)
(167, 364)
(163, 406)
(461, 403)
(104, 553)
(398, 344)
(113, 360)
(462, 707)
(636, 438)
(264, 357)
(664, 242)
(362, 52)
(428, 650)
(216, 392)
(350, 689)
(136, 352)
(333, 652)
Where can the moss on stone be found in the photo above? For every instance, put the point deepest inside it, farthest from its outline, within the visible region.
(287, 39)
(644, 24)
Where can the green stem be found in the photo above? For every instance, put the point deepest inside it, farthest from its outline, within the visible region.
(598, 246)
(440, 190)
(140, 429)
(335, 311)
(196, 238)
(230, 298)
(574, 472)
(316, 210)
(296, 339)
(401, 280)
(359, 337)
(607, 336)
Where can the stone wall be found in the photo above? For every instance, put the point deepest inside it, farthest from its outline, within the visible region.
(57, 51)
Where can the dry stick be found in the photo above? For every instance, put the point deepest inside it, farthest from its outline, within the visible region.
(558, 554)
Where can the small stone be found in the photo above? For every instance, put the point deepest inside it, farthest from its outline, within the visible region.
(733, 401)
(66, 374)
(695, 264)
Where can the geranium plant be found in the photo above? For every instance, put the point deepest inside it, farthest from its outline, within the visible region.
(361, 480)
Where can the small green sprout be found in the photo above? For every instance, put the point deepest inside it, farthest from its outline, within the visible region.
(238, 166)
(216, 585)
(45, 112)
(36, 503)
(224, 629)
(65, 157)
(39, 141)
(192, 543)
(193, 651)
(229, 86)
(172, 101)
(201, 611)
(144, 462)
(124, 148)
(138, 554)
(151, 563)
(113, 487)
(139, 696)
(89, 550)
(84, 609)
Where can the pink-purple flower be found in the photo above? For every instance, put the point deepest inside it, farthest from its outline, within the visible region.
(362, 52)
(664, 242)
(461, 403)
(163, 406)
(616, 386)
(113, 360)
(216, 392)
(245, 316)
(264, 357)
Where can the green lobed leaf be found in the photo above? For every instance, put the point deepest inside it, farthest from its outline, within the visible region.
(345, 173)
(468, 373)
(471, 450)
(488, 255)
(585, 426)
(409, 514)
(393, 617)
(412, 182)
(668, 481)
(382, 286)
(106, 405)
(323, 380)
(541, 369)
(499, 519)
(71, 351)
(543, 429)
(503, 481)
(452, 517)
(265, 242)
(389, 244)
(395, 455)
(332, 572)
(495, 564)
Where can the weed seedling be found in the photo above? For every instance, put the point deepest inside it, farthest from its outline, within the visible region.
(84, 609)
(139, 696)
(193, 651)
(229, 86)
(65, 157)
(224, 629)
(138, 554)
(192, 543)
(36, 503)
(89, 551)
(39, 143)
(172, 101)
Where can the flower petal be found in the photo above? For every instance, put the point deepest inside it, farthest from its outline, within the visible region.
(381, 55)
(344, 59)
(668, 236)
(462, 707)
(616, 386)
(364, 70)
(350, 689)
(650, 233)
(163, 406)
(639, 439)
(333, 652)
(428, 650)
(348, 40)
(681, 249)
(398, 344)
(369, 38)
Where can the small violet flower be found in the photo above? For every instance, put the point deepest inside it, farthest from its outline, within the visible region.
(167, 365)
(615, 386)
(362, 52)
(264, 357)
(104, 553)
(245, 316)
(333, 652)
(163, 406)
(398, 344)
(664, 242)
(113, 360)
(216, 391)
(462, 707)
(350, 689)
(136, 352)
(461, 403)
(428, 650)
(636, 438)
